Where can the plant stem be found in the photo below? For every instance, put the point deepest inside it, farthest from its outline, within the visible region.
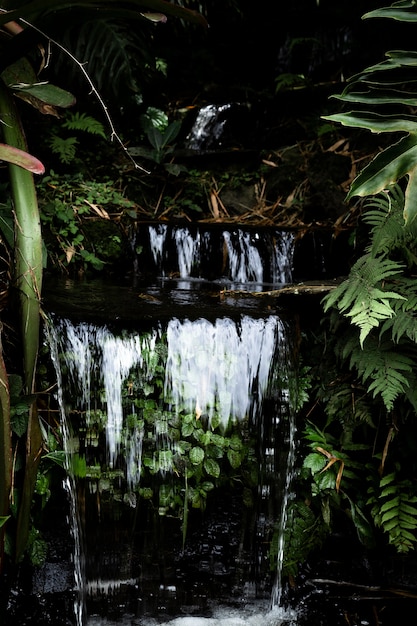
(28, 239)
(6, 459)
(27, 280)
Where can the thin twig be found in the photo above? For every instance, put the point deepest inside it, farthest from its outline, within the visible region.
(114, 135)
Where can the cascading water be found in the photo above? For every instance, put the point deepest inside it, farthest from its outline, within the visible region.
(157, 419)
(235, 256)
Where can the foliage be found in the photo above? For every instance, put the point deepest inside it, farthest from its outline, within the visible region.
(384, 361)
(160, 137)
(390, 83)
(367, 395)
(21, 44)
(183, 456)
(364, 400)
(393, 508)
(66, 147)
(65, 203)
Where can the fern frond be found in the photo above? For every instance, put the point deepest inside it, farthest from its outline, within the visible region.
(305, 533)
(360, 299)
(117, 56)
(85, 123)
(393, 507)
(403, 324)
(64, 148)
(382, 368)
(387, 231)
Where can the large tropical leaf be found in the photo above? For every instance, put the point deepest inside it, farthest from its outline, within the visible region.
(386, 168)
(21, 158)
(376, 122)
(402, 11)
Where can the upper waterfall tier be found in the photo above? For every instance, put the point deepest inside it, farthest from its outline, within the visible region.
(236, 254)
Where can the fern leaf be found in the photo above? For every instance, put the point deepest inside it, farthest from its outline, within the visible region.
(116, 55)
(394, 513)
(64, 148)
(359, 297)
(390, 504)
(84, 122)
(404, 322)
(382, 368)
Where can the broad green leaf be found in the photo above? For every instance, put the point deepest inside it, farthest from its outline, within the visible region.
(403, 57)
(212, 467)
(404, 12)
(171, 132)
(375, 122)
(315, 462)
(19, 423)
(187, 429)
(46, 93)
(378, 96)
(57, 457)
(386, 168)
(21, 158)
(235, 458)
(410, 199)
(196, 455)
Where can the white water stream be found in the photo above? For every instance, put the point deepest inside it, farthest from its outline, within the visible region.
(248, 257)
(221, 367)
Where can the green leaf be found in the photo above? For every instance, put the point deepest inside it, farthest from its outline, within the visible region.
(390, 504)
(46, 93)
(388, 479)
(376, 122)
(386, 168)
(58, 457)
(165, 460)
(375, 95)
(212, 467)
(38, 551)
(402, 12)
(187, 429)
(84, 122)
(235, 458)
(3, 519)
(410, 204)
(196, 455)
(315, 462)
(19, 422)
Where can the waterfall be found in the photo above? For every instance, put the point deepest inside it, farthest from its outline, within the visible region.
(140, 407)
(208, 127)
(215, 370)
(157, 237)
(188, 248)
(245, 263)
(233, 255)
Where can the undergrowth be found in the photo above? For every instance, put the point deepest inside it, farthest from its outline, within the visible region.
(358, 447)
